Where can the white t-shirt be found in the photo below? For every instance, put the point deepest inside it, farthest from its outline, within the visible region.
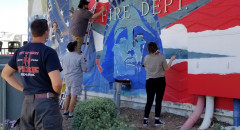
(73, 64)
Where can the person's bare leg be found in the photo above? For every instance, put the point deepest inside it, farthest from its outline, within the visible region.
(72, 103)
(66, 102)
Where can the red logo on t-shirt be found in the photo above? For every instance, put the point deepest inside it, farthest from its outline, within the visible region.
(27, 60)
(26, 69)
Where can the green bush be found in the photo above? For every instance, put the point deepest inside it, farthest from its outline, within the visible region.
(217, 127)
(121, 123)
(98, 114)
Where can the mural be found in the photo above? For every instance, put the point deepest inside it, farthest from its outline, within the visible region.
(211, 49)
(125, 43)
(217, 39)
(59, 21)
(57, 12)
(36, 10)
(207, 50)
(119, 58)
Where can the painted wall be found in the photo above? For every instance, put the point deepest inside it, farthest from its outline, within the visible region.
(211, 34)
(57, 14)
(206, 50)
(214, 30)
(204, 35)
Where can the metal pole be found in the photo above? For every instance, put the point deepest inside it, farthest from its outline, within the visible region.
(4, 102)
(1, 100)
(118, 94)
(85, 92)
(236, 112)
(114, 92)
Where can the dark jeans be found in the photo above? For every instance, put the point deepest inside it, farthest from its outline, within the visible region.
(154, 86)
(40, 114)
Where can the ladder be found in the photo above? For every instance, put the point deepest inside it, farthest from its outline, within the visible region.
(89, 30)
(86, 41)
(89, 27)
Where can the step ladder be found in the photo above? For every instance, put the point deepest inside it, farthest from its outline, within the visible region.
(89, 28)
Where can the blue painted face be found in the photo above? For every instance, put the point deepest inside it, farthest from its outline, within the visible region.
(128, 56)
(125, 44)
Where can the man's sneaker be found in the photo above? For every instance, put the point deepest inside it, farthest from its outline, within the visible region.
(65, 113)
(145, 122)
(70, 116)
(159, 122)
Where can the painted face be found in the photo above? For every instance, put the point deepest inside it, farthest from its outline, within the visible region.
(128, 55)
(125, 42)
(71, 15)
(54, 25)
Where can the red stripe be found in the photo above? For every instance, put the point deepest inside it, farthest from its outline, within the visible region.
(176, 89)
(215, 15)
(215, 85)
(225, 87)
(172, 7)
(184, 88)
(99, 67)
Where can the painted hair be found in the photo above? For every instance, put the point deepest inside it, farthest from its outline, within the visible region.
(55, 23)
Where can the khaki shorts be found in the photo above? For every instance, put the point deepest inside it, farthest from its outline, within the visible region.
(73, 90)
(79, 40)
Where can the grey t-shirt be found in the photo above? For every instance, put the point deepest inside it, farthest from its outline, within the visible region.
(80, 20)
(72, 64)
(154, 65)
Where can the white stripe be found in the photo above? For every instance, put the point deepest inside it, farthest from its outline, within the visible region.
(220, 42)
(98, 41)
(213, 66)
(103, 1)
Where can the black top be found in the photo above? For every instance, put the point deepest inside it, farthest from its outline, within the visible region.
(33, 62)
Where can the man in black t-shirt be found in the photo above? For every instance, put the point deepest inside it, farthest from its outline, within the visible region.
(80, 21)
(39, 69)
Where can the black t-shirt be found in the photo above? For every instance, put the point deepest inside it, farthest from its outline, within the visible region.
(33, 62)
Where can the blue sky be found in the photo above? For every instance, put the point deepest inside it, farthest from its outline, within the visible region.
(13, 16)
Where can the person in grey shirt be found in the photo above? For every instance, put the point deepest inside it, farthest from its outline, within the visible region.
(155, 65)
(73, 65)
(80, 21)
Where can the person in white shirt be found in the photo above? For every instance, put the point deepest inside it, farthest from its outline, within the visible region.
(73, 65)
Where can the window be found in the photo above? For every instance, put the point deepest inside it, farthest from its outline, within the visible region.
(1, 43)
(13, 46)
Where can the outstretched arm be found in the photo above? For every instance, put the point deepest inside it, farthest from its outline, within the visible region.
(99, 13)
(170, 63)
